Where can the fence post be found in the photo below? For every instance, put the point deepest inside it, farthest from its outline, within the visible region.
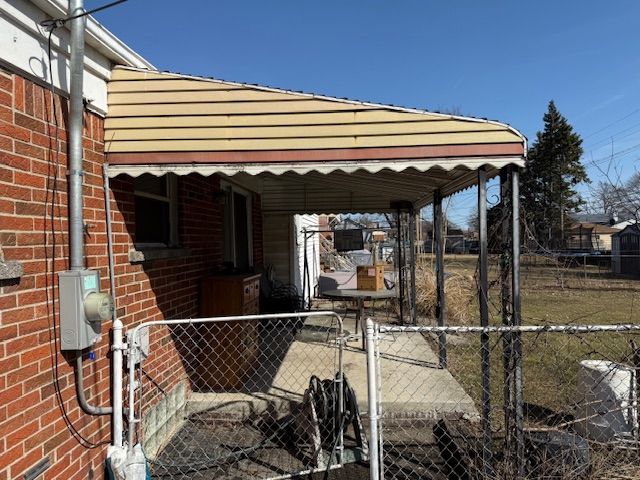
(437, 242)
(517, 319)
(507, 320)
(341, 342)
(374, 458)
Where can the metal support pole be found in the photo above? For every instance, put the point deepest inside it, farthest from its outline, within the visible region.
(340, 379)
(400, 246)
(505, 307)
(374, 458)
(517, 318)
(483, 288)
(305, 270)
(412, 266)
(437, 239)
(76, 109)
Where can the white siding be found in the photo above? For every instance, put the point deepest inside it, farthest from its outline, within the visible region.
(310, 223)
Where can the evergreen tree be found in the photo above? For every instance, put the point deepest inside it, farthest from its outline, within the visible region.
(549, 181)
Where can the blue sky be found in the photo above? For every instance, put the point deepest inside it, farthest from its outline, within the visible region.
(501, 60)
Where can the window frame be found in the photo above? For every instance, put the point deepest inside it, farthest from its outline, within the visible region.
(229, 251)
(172, 200)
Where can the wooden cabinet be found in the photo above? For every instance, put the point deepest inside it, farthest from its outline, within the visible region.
(230, 295)
(229, 349)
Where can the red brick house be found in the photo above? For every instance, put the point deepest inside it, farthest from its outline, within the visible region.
(180, 151)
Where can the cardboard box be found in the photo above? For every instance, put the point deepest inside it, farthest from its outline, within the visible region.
(370, 277)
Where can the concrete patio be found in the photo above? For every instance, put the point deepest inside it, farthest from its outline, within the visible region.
(213, 425)
(411, 383)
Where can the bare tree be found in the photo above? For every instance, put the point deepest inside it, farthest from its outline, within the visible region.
(617, 197)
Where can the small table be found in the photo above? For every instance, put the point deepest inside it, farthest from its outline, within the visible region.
(359, 296)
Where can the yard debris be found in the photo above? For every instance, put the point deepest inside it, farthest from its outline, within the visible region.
(460, 292)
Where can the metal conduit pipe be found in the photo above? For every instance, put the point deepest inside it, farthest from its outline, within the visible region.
(118, 345)
(82, 399)
(75, 171)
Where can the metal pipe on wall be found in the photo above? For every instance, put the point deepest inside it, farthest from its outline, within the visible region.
(117, 345)
(82, 399)
(75, 173)
(76, 110)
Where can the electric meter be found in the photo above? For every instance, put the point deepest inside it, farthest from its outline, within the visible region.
(83, 308)
(98, 307)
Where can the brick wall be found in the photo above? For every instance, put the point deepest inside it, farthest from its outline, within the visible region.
(33, 231)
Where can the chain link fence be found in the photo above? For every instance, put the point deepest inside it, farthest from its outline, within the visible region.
(239, 397)
(550, 402)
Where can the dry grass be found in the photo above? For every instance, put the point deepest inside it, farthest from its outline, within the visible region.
(551, 294)
(460, 294)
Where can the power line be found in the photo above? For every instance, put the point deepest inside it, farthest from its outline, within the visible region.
(633, 129)
(612, 123)
(59, 22)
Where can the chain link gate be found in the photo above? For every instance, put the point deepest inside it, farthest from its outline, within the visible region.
(578, 402)
(259, 396)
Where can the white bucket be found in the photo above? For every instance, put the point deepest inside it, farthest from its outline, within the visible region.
(605, 401)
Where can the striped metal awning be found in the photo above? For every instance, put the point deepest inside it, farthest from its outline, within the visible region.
(304, 153)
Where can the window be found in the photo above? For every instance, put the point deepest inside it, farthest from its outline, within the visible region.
(238, 245)
(156, 210)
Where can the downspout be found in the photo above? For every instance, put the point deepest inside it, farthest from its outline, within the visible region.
(75, 174)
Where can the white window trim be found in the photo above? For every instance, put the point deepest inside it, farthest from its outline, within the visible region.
(172, 199)
(226, 185)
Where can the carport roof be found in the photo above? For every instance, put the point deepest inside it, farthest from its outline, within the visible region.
(303, 152)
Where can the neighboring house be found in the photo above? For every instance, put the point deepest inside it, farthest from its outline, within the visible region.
(623, 224)
(205, 176)
(625, 252)
(589, 237)
(454, 241)
(597, 218)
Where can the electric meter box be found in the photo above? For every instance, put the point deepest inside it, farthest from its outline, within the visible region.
(83, 308)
